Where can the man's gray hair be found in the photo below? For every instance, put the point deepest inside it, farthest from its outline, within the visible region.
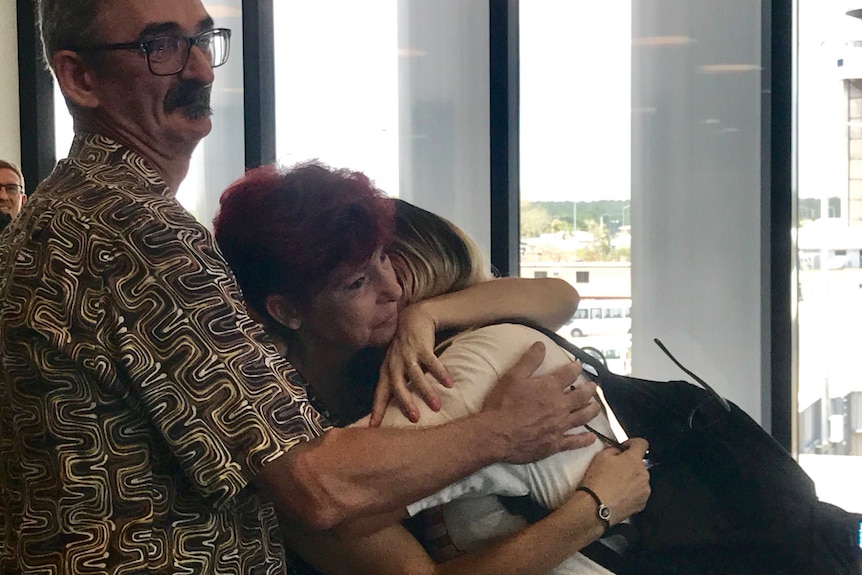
(65, 24)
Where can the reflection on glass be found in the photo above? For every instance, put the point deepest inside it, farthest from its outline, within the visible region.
(829, 244)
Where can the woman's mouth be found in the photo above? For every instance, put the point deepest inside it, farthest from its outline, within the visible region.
(390, 319)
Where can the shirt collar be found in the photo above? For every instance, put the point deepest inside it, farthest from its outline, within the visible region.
(99, 149)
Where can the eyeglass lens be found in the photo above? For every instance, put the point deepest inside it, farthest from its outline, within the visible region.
(169, 54)
(11, 188)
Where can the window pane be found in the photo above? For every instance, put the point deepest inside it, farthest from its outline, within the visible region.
(641, 121)
(219, 159)
(337, 85)
(63, 130)
(829, 244)
(699, 282)
(397, 89)
(575, 130)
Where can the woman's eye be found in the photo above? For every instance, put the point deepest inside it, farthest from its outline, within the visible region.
(356, 284)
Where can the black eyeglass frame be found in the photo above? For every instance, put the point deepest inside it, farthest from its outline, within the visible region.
(145, 47)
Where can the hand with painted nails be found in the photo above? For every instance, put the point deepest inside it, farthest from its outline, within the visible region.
(410, 363)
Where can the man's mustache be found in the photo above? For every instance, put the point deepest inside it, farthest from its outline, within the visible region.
(191, 97)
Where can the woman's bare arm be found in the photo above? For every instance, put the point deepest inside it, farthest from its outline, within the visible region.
(548, 302)
(535, 550)
(393, 551)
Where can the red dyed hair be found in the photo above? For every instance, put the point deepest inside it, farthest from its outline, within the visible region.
(285, 231)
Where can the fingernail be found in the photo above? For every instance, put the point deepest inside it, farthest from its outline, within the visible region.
(435, 404)
(414, 416)
(449, 382)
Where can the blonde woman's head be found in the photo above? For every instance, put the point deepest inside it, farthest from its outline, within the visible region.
(432, 256)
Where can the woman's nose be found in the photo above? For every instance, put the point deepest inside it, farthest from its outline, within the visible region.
(390, 288)
(393, 288)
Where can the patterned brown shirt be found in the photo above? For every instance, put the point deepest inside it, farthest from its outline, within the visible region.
(137, 398)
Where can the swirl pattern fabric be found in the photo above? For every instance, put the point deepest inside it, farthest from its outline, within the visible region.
(137, 398)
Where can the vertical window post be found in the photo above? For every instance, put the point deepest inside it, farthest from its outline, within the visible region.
(504, 102)
(778, 213)
(258, 82)
(36, 100)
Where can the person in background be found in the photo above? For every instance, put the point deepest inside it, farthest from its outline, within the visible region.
(147, 425)
(12, 192)
(322, 295)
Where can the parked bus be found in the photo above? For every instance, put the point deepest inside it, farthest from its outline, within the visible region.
(600, 317)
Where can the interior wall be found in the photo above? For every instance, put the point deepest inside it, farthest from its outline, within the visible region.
(10, 130)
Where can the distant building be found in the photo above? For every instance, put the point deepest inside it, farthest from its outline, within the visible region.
(832, 238)
(593, 280)
(623, 238)
(836, 432)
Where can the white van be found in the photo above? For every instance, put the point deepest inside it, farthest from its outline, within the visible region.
(600, 317)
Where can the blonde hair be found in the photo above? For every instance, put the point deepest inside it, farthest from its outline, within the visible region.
(432, 256)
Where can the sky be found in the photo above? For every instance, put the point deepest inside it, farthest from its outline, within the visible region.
(575, 99)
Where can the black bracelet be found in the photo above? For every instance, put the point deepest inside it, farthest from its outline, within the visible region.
(602, 512)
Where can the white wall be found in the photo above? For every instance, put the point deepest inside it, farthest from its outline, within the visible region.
(10, 134)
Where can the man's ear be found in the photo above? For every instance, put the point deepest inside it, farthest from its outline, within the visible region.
(75, 78)
(283, 311)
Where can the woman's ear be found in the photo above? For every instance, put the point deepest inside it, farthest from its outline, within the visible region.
(283, 311)
(75, 78)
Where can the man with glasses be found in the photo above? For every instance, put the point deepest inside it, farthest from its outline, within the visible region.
(143, 414)
(12, 195)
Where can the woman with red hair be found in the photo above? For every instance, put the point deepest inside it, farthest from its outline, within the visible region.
(291, 236)
(337, 271)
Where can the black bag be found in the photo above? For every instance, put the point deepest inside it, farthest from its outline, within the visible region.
(726, 497)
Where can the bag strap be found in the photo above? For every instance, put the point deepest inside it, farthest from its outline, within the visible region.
(599, 370)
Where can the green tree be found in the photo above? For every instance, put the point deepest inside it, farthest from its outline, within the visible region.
(535, 220)
(600, 250)
(558, 225)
